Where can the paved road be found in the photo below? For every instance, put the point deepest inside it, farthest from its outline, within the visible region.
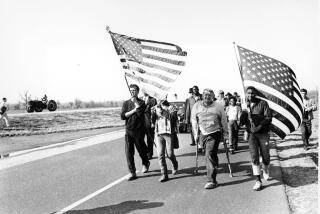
(91, 179)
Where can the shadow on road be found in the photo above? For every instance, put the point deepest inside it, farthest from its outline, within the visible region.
(121, 208)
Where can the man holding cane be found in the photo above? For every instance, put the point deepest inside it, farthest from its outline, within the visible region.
(209, 117)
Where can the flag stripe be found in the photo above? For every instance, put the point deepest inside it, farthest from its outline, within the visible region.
(163, 50)
(154, 70)
(150, 78)
(162, 64)
(276, 93)
(142, 71)
(163, 45)
(144, 80)
(170, 70)
(283, 108)
(282, 126)
(164, 55)
(278, 131)
(298, 96)
(298, 99)
(153, 93)
(295, 82)
(162, 59)
(282, 114)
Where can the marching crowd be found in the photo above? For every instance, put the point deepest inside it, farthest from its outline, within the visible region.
(211, 121)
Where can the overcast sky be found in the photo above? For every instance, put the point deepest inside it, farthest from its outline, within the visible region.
(61, 48)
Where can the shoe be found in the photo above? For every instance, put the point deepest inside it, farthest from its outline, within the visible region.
(257, 186)
(210, 185)
(265, 173)
(132, 177)
(232, 152)
(163, 178)
(193, 144)
(145, 168)
(175, 170)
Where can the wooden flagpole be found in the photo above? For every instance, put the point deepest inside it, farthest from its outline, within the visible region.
(125, 77)
(239, 66)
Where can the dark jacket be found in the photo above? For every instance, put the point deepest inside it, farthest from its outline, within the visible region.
(188, 107)
(134, 123)
(258, 114)
(150, 103)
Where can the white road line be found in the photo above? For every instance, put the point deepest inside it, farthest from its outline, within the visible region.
(59, 144)
(59, 149)
(77, 203)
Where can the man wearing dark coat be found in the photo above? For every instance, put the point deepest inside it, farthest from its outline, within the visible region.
(150, 102)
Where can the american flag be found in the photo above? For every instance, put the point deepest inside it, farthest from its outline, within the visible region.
(277, 84)
(153, 65)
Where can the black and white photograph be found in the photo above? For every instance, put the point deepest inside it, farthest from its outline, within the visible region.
(182, 107)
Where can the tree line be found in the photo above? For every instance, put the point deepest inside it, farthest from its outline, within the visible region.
(25, 97)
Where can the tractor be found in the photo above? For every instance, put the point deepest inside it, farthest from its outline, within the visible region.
(39, 105)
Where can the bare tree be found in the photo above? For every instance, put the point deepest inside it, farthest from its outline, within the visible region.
(25, 97)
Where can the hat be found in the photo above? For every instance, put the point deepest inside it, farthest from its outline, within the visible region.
(195, 87)
(220, 92)
(303, 90)
(228, 94)
(164, 102)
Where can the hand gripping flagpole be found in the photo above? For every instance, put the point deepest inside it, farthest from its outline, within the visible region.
(125, 77)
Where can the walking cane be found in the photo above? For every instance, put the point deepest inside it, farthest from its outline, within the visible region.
(227, 154)
(197, 146)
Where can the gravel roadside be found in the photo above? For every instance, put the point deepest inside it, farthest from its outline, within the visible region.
(300, 171)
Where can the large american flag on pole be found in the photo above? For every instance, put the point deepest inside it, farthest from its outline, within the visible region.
(153, 65)
(277, 84)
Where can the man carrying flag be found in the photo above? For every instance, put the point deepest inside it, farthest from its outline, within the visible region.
(274, 103)
(153, 66)
(258, 129)
(276, 84)
(133, 113)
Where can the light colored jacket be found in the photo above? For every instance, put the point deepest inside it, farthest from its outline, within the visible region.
(209, 119)
(233, 112)
(164, 120)
(309, 106)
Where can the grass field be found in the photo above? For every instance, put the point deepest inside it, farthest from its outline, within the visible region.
(39, 123)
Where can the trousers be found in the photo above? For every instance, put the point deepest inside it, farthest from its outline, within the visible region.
(137, 141)
(259, 145)
(211, 143)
